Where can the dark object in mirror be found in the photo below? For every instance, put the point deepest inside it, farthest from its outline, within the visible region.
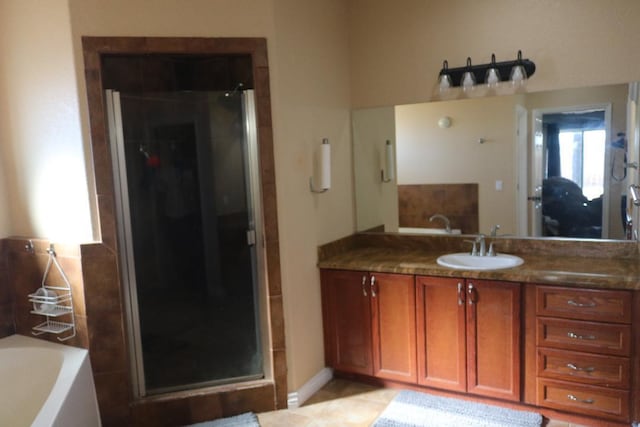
(567, 212)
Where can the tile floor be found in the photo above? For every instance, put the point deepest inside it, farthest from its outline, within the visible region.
(345, 404)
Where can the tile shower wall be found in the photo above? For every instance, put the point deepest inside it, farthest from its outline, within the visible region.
(459, 202)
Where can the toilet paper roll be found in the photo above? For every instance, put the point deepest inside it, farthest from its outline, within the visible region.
(325, 165)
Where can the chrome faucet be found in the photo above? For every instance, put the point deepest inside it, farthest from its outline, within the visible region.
(494, 230)
(447, 224)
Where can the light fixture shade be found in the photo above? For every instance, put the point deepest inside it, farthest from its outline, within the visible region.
(518, 73)
(468, 80)
(444, 79)
(492, 76)
(444, 82)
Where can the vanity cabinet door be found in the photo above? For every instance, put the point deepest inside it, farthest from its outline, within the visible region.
(469, 336)
(440, 308)
(493, 339)
(393, 326)
(347, 321)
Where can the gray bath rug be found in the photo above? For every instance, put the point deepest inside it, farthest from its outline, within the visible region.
(248, 419)
(412, 409)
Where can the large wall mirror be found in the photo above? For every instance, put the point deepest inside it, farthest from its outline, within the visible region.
(542, 164)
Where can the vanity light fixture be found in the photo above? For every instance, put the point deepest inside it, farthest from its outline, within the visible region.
(325, 168)
(389, 162)
(491, 74)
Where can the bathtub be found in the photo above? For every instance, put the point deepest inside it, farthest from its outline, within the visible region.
(45, 384)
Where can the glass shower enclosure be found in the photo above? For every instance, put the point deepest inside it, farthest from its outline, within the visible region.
(186, 171)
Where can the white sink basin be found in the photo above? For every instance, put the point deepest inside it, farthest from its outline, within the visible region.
(465, 261)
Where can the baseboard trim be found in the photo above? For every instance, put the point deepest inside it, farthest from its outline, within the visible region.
(308, 389)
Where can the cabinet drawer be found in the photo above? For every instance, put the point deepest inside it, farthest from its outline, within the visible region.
(608, 371)
(584, 336)
(584, 304)
(584, 399)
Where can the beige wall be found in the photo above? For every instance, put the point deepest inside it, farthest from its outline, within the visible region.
(428, 154)
(397, 47)
(42, 152)
(311, 101)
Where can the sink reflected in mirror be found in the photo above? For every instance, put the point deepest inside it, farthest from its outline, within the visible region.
(466, 261)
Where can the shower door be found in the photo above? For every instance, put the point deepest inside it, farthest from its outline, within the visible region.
(185, 166)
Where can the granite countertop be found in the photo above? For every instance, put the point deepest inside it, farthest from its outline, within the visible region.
(615, 272)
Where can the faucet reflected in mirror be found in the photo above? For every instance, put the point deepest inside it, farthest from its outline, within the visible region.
(447, 223)
(507, 171)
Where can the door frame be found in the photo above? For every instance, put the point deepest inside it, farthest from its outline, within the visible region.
(535, 218)
(94, 49)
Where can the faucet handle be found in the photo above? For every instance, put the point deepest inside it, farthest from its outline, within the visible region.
(474, 250)
(491, 252)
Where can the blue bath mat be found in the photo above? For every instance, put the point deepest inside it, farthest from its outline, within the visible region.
(248, 419)
(413, 409)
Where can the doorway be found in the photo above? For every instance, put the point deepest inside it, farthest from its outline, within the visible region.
(569, 189)
(187, 211)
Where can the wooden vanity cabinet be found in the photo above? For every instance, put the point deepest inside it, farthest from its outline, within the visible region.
(469, 336)
(369, 323)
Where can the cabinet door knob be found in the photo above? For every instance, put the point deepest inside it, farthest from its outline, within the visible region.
(373, 286)
(576, 399)
(364, 285)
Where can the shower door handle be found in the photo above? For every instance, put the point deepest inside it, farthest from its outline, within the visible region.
(251, 237)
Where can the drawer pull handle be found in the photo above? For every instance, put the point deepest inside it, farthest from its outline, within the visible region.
(575, 399)
(364, 285)
(581, 305)
(460, 294)
(577, 368)
(580, 337)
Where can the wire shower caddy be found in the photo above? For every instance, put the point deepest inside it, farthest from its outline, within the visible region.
(54, 302)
